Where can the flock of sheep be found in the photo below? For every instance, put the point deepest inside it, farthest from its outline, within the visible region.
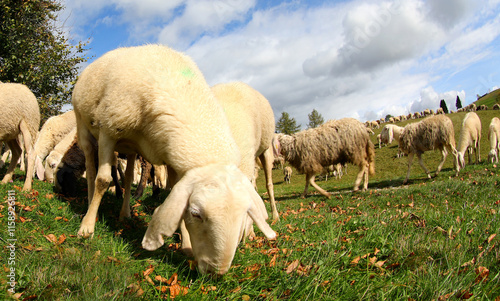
(154, 102)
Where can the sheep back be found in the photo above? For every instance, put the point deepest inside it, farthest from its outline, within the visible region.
(434, 132)
(470, 131)
(251, 119)
(155, 102)
(53, 131)
(336, 141)
(18, 103)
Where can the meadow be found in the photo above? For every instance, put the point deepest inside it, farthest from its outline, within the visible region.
(436, 239)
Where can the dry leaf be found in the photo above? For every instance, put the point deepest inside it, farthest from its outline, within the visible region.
(463, 295)
(292, 266)
(51, 237)
(356, 260)
(490, 238)
(172, 280)
(176, 290)
(482, 274)
(62, 238)
(148, 271)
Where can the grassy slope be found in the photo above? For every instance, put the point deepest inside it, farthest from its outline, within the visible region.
(432, 239)
(489, 99)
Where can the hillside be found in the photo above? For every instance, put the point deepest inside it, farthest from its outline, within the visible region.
(489, 99)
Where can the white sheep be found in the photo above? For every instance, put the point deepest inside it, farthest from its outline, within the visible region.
(336, 141)
(55, 156)
(154, 101)
(287, 172)
(434, 132)
(389, 133)
(251, 120)
(494, 138)
(51, 133)
(470, 137)
(20, 115)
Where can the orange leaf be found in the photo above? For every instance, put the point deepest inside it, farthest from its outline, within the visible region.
(272, 263)
(482, 274)
(148, 271)
(62, 238)
(292, 266)
(176, 290)
(491, 237)
(51, 237)
(58, 218)
(161, 279)
(356, 260)
(172, 280)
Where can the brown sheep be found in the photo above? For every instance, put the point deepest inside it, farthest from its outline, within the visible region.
(435, 132)
(336, 141)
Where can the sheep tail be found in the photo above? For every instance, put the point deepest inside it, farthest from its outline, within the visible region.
(370, 151)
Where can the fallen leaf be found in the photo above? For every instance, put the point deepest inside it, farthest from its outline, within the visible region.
(463, 295)
(482, 274)
(292, 266)
(490, 238)
(176, 290)
(51, 237)
(62, 238)
(356, 260)
(172, 280)
(148, 271)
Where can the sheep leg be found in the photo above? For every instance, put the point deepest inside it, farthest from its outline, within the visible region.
(362, 175)
(129, 177)
(311, 181)
(267, 160)
(145, 172)
(410, 160)
(444, 154)
(102, 180)
(421, 162)
(15, 149)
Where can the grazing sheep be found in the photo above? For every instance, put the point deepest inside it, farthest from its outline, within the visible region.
(494, 138)
(470, 137)
(336, 141)
(389, 133)
(278, 162)
(51, 133)
(154, 101)
(287, 172)
(55, 156)
(72, 167)
(20, 115)
(496, 106)
(251, 120)
(379, 141)
(434, 132)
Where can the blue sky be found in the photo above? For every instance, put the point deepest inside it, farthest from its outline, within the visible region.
(355, 58)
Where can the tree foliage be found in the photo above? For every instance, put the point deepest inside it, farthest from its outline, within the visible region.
(458, 104)
(35, 52)
(315, 119)
(443, 105)
(287, 125)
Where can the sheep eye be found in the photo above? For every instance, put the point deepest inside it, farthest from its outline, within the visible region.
(196, 214)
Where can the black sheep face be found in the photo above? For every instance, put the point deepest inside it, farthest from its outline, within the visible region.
(66, 182)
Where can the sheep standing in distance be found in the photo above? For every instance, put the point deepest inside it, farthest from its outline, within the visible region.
(434, 132)
(51, 133)
(251, 120)
(389, 133)
(20, 115)
(470, 137)
(287, 172)
(336, 141)
(494, 138)
(154, 101)
(55, 156)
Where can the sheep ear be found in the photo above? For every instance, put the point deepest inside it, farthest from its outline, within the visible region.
(258, 213)
(40, 170)
(167, 217)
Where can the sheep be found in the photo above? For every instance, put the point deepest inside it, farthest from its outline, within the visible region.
(20, 116)
(55, 156)
(71, 167)
(496, 106)
(51, 133)
(278, 162)
(287, 172)
(389, 133)
(251, 120)
(494, 138)
(434, 132)
(470, 137)
(379, 141)
(155, 101)
(336, 141)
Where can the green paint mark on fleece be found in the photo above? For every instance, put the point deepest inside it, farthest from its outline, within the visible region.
(187, 72)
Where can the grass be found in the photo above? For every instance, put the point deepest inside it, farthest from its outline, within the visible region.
(433, 239)
(489, 99)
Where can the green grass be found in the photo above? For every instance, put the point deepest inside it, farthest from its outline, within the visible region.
(489, 99)
(429, 240)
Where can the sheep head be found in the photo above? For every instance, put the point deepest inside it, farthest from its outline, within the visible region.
(214, 202)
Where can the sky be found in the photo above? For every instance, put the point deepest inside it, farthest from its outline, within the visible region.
(353, 58)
